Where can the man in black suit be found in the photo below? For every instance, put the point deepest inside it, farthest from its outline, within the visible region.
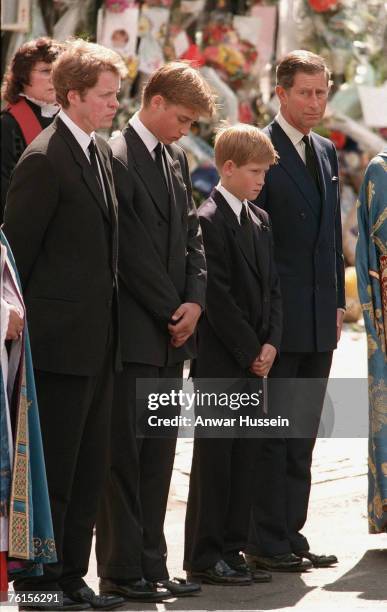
(238, 338)
(162, 292)
(301, 195)
(60, 219)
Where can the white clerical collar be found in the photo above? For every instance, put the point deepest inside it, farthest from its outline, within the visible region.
(291, 132)
(46, 110)
(81, 137)
(149, 139)
(234, 203)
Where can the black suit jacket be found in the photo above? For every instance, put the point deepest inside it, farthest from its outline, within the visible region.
(308, 244)
(64, 239)
(161, 256)
(243, 309)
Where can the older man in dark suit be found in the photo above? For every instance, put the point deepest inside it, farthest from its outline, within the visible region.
(301, 195)
(162, 292)
(60, 219)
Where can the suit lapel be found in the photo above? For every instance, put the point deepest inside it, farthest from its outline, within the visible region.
(260, 243)
(325, 173)
(293, 165)
(108, 182)
(178, 197)
(148, 171)
(87, 171)
(232, 222)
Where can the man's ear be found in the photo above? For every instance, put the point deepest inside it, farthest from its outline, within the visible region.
(281, 94)
(73, 97)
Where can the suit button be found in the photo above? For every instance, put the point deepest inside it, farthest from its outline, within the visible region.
(159, 223)
(303, 215)
(317, 287)
(316, 252)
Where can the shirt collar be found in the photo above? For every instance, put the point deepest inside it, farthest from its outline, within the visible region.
(149, 139)
(46, 110)
(234, 203)
(81, 137)
(291, 132)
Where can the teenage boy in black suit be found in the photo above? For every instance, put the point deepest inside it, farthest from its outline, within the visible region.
(238, 337)
(162, 292)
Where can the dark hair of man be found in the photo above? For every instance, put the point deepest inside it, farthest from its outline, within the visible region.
(300, 61)
(19, 70)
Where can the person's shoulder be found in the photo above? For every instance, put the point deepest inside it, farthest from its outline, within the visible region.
(261, 214)
(377, 168)
(118, 145)
(7, 120)
(207, 209)
(324, 142)
(176, 152)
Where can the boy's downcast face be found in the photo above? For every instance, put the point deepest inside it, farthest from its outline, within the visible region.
(171, 121)
(246, 181)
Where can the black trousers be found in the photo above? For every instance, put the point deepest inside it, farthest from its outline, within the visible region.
(219, 501)
(75, 421)
(282, 477)
(130, 525)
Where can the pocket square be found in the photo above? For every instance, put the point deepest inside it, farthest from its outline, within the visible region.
(335, 179)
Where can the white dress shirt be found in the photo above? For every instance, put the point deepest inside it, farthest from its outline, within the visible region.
(232, 201)
(83, 139)
(293, 134)
(149, 139)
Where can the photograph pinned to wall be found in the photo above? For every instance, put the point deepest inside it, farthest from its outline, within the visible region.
(154, 21)
(118, 31)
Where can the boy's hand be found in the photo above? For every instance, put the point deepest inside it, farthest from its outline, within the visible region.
(262, 363)
(186, 317)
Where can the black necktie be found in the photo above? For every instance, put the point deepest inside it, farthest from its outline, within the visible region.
(247, 230)
(310, 161)
(94, 163)
(159, 161)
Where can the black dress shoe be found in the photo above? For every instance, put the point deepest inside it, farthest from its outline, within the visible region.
(179, 587)
(134, 590)
(67, 604)
(98, 602)
(256, 575)
(222, 574)
(318, 560)
(278, 563)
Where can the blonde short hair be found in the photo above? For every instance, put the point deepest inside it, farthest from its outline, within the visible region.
(80, 65)
(243, 144)
(180, 83)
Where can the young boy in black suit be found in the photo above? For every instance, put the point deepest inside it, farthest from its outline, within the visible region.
(238, 337)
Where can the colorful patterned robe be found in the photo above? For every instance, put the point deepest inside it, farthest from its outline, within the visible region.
(371, 266)
(23, 491)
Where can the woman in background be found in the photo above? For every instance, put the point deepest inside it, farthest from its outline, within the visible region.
(31, 106)
(371, 266)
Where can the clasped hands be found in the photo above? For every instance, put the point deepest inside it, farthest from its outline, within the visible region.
(186, 318)
(262, 363)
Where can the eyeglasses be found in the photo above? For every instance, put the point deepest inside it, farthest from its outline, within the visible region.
(45, 71)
